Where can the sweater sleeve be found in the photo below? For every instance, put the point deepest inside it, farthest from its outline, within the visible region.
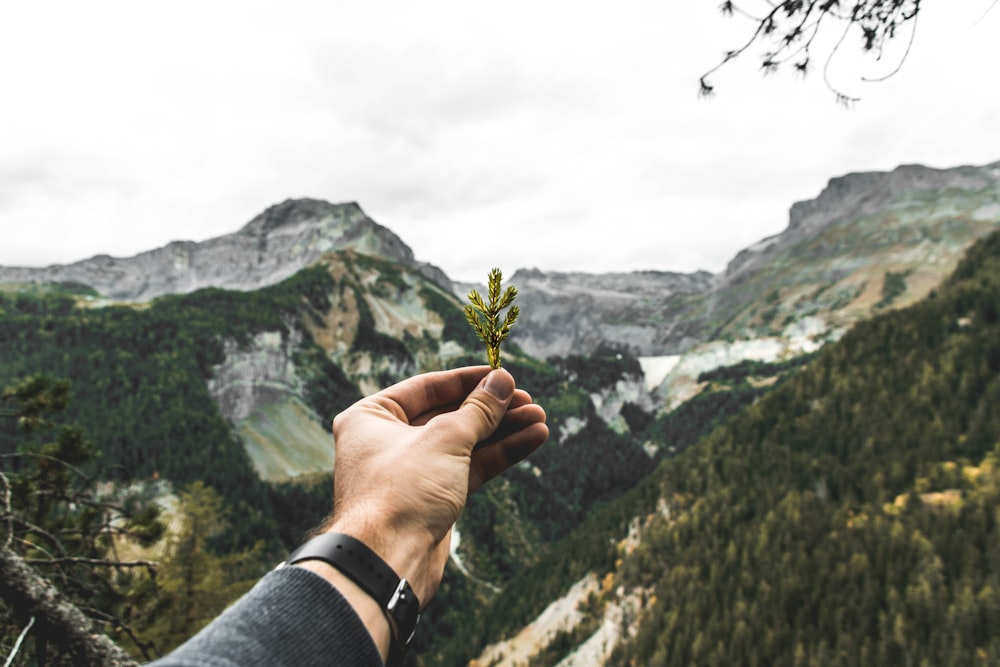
(292, 617)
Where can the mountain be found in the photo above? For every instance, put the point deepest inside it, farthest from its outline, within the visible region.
(224, 362)
(576, 313)
(868, 242)
(238, 389)
(274, 365)
(846, 518)
(284, 239)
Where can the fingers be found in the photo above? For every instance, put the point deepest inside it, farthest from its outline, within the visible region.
(517, 418)
(479, 415)
(494, 459)
(482, 407)
(521, 398)
(483, 410)
(430, 392)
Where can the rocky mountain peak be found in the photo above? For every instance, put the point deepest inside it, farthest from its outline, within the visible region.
(864, 194)
(294, 212)
(277, 243)
(575, 313)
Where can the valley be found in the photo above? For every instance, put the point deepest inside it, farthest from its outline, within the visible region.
(689, 413)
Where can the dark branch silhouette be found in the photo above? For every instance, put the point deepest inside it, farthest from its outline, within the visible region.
(55, 520)
(787, 33)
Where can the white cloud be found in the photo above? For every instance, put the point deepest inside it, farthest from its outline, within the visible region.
(560, 135)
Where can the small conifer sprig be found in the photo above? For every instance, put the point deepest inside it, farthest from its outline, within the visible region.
(485, 318)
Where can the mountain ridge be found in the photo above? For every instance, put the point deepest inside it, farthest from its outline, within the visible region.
(863, 193)
(868, 241)
(283, 239)
(841, 519)
(236, 388)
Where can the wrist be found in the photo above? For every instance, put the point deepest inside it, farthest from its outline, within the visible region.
(368, 610)
(409, 556)
(372, 588)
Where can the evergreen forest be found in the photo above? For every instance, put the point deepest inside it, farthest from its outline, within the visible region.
(132, 385)
(837, 509)
(849, 517)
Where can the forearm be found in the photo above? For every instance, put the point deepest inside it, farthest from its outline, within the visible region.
(381, 572)
(369, 612)
(291, 617)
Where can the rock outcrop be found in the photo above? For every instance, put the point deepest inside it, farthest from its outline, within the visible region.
(868, 242)
(575, 313)
(867, 194)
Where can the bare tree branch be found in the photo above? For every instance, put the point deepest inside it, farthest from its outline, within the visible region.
(899, 65)
(842, 98)
(17, 644)
(101, 616)
(28, 594)
(46, 457)
(7, 517)
(782, 29)
(988, 10)
(149, 564)
(41, 532)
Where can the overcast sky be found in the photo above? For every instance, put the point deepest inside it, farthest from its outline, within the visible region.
(557, 135)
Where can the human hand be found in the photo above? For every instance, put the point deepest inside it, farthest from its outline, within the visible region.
(408, 456)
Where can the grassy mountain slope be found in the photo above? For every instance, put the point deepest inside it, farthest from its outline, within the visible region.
(850, 517)
(595, 546)
(140, 379)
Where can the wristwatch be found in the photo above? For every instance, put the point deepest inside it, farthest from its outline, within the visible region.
(374, 576)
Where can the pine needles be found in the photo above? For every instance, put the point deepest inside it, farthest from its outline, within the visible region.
(485, 318)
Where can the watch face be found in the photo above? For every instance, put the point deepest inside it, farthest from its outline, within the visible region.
(404, 610)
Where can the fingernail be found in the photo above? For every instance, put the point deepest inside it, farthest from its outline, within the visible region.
(499, 384)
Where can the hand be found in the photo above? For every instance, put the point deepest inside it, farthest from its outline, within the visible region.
(408, 456)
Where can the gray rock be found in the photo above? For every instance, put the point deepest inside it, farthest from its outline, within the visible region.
(282, 240)
(575, 313)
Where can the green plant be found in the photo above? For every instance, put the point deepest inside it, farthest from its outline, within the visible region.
(485, 319)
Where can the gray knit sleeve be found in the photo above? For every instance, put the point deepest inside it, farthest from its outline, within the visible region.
(292, 617)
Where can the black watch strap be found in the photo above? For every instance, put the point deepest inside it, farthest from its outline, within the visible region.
(365, 568)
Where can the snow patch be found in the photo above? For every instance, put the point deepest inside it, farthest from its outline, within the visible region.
(570, 427)
(456, 558)
(655, 369)
(988, 212)
(608, 403)
(681, 383)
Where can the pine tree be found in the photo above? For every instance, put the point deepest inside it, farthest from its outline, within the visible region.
(194, 584)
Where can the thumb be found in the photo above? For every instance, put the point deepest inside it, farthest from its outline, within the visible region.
(481, 412)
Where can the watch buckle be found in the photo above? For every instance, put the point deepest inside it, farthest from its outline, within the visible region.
(402, 596)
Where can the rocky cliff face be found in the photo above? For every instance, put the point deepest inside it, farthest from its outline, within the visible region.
(380, 323)
(261, 371)
(259, 390)
(276, 244)
(868, 242)
(872, 194)
(575, 313)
